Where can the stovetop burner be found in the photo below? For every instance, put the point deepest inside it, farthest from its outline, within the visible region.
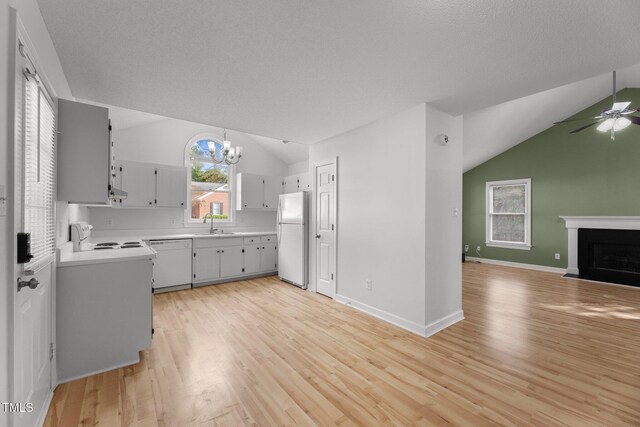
(102, 247)
(107, 244)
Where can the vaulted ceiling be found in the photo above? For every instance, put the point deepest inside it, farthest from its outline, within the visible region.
(308, 70)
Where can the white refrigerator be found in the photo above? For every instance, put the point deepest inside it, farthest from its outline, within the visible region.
(293, 234)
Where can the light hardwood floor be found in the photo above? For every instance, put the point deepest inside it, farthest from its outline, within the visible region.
(534, 349)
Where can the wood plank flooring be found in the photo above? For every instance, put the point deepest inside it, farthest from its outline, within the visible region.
(534, 350)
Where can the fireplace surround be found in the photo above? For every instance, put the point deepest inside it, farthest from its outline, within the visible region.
(614, 253)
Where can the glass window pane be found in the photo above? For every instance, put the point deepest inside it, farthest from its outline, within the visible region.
(209, 202)
(509, 199)
(201, 149)
(507, 228)
(209, 172)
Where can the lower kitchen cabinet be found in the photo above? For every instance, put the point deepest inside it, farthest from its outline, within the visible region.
(231, 261)
(252, 259)
(215, 260)
(206, 264)
(268, 257)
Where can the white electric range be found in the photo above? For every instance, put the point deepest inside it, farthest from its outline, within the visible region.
(81, 231)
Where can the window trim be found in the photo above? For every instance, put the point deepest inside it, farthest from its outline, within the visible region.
(190, 222)
(526, 245)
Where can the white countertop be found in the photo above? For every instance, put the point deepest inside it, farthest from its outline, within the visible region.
(172, 236)
(68, 258)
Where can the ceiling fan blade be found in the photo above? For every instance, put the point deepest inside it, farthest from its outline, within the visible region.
(573, 120)
(633, 119)
(620, 106)
(583, 127)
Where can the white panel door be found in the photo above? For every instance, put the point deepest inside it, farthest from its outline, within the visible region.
(32, 365)
(231, 261)
(171, 187)
(252, 259)
(206, 264)
(139, 181)
(325, 230)
(272, 190)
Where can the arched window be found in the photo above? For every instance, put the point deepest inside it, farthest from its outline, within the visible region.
(210, 184)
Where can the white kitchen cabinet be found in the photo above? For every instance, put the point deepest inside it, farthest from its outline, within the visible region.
(272, 189)
(84, 153)
(139, 181)
(149, 185)
(231, 261)
(257, 191)
(250, 194)
(252, 258)
(171, 187)
(206, 264)
(290, 184)
(304, 182)
(268, 257)
(295, 183)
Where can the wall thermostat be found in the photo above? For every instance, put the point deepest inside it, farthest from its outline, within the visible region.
(443, 139)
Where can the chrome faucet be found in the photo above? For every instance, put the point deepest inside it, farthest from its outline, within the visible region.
(211, 230)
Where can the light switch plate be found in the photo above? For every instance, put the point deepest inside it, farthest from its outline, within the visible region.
(3, 200)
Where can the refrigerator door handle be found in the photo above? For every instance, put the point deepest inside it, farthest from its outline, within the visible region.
(279, 216)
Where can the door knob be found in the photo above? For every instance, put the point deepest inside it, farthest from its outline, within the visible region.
(317, 236)
(32, 284)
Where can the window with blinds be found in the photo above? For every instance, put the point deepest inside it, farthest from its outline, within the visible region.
(39, 171)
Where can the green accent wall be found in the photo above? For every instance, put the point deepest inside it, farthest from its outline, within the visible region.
(571, 174)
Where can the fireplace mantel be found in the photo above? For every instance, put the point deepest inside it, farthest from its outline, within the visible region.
(573, 223)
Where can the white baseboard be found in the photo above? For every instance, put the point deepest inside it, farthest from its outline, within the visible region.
(45, 409)
(518, 265)
(443, 322)
(409, 325)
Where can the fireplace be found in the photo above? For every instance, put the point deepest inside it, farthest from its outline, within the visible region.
(609, 255)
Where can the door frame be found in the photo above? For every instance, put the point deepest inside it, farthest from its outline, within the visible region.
(19, 34)
(312, 229)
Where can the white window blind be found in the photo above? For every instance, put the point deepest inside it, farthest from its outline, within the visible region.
(39, 172)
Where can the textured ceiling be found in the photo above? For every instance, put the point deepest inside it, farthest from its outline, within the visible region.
(308, 70)
(493, 130)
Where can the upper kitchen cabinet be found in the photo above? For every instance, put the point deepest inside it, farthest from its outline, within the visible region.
(84, 153)
(139, 181)
(150, 185)
(257, 191)
(295, 183)
(171, 187)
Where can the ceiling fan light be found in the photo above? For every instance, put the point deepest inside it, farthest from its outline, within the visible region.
(621, 123)
(606, 125)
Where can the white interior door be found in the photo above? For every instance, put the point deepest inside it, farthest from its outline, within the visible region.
(325, 229)
(34, 213)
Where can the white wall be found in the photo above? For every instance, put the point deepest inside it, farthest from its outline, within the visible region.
(49, 65)
(299, 167)
(443, 231)
(396, 188)
(381, 221)
(164, 142)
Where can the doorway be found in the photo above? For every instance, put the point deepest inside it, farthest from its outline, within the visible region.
(326, 227)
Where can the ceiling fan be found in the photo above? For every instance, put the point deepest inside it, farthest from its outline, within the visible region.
(612, 120)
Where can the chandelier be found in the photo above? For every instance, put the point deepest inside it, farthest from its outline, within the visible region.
(230, 155)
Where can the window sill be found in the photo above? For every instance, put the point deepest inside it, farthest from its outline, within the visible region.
(520, 246)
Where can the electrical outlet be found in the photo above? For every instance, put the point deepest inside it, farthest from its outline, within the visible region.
(557, 256)
(454, 212)
(369, 284)
(173, 221)
(466, 248)
(478, 248)
(109, 221)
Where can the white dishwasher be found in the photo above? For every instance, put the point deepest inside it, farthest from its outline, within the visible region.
(172, 266)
